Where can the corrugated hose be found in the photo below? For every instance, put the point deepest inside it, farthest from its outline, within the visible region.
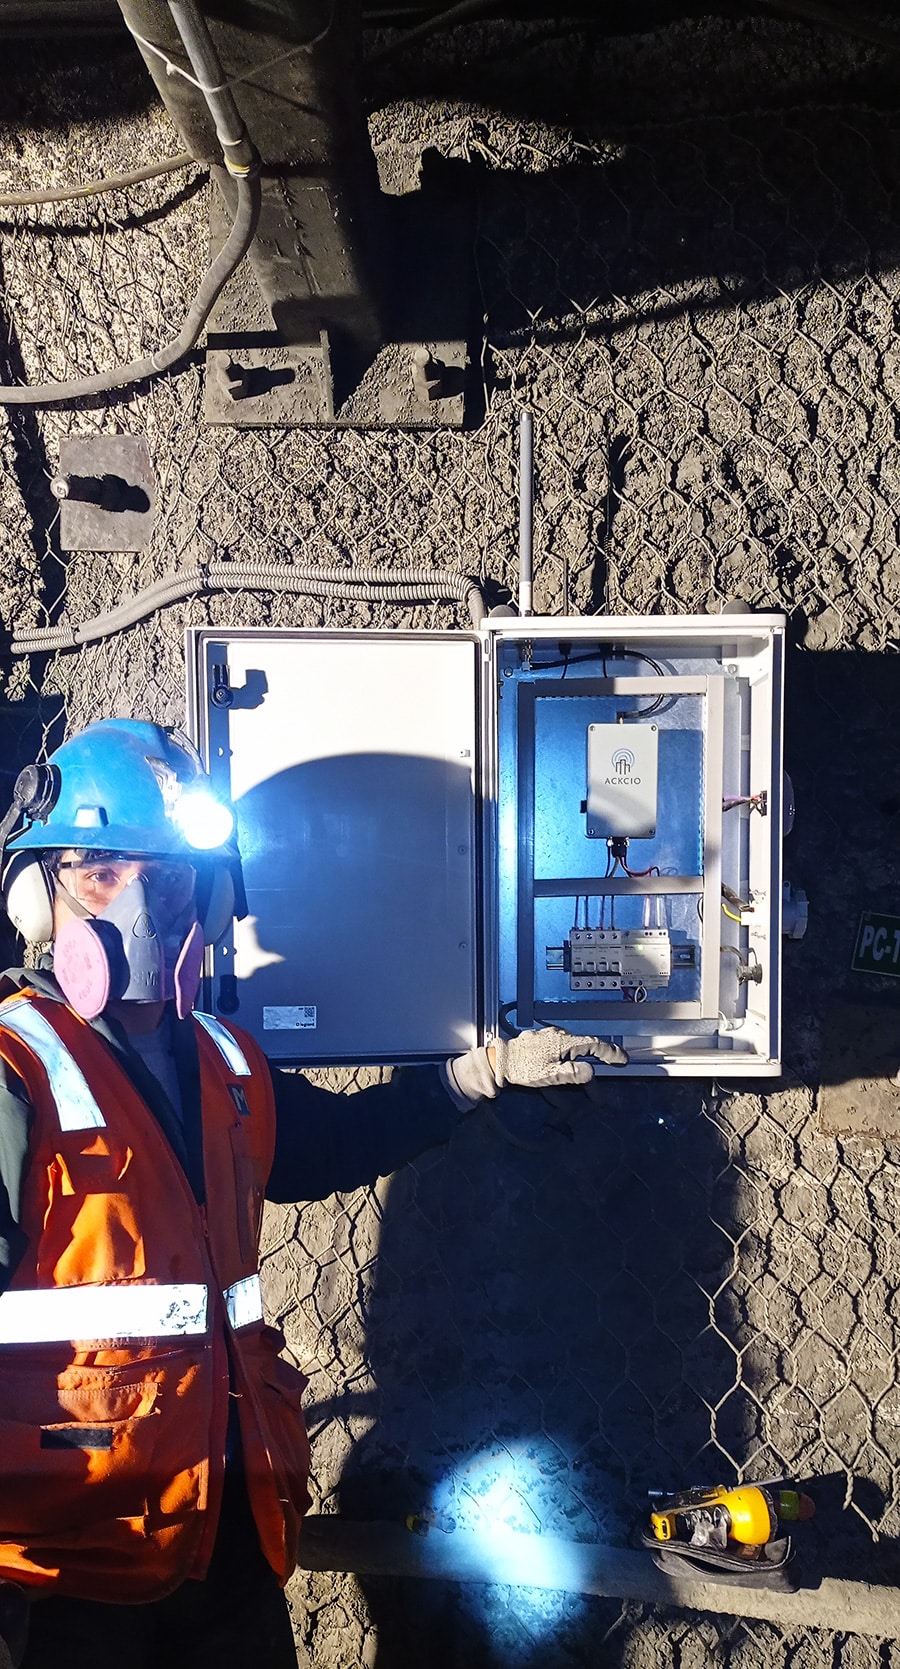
(383, 585)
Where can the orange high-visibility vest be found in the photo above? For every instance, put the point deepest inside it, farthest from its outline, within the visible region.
(119, 1324)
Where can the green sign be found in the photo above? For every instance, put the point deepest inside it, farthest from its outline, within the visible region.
(877, 945)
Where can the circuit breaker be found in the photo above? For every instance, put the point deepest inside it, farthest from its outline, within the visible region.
(607, 959)
(450, 835)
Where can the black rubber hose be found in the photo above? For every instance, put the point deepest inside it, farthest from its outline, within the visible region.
(216, 277)
(209, 77)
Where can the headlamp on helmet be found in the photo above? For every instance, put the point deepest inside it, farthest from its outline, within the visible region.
(203, 820)
(121, 786)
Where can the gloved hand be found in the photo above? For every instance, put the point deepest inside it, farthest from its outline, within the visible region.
(550, 1057)
(536, 1060)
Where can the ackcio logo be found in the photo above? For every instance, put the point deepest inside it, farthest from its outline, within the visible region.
(623, 762)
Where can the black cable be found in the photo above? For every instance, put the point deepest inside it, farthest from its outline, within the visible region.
(243, 166)
(213, 282)
(610, 866)
(600, 655)
(639, 874)
(749, 973)
(642, 712)
(833, 17)
(400, 18)
(96, 188)
(432, 26)
(617, 654)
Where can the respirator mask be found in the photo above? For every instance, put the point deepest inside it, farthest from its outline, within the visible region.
(138, 942)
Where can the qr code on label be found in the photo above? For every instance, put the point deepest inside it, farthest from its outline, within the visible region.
(297, 1017)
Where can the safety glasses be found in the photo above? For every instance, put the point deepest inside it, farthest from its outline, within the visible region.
(96, 882)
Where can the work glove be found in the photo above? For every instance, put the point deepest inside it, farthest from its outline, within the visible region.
(551, 1058)
(544, 1059)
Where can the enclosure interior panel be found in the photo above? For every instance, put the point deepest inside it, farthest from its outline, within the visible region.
(716, 706)
(350, 759)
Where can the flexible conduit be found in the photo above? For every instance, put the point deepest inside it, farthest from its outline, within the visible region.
(371, 585)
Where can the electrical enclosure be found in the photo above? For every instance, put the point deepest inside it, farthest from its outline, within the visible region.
(440, 831)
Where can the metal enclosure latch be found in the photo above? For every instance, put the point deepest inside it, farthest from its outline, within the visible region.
(106, 491)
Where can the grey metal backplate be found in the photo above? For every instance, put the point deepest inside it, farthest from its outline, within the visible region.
(110, 489)
(351, 762)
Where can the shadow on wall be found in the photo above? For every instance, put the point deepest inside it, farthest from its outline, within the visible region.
(843, 751)
(29, 730)
(563, 1295)
(709, 204)
(60, 84)
(696, 217)
(542, 1355)
(714, 161)
(359, 872)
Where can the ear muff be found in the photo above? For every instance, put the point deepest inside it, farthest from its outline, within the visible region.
(28, 897)
(215, 902)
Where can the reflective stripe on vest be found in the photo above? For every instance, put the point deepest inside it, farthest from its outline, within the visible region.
(75, 1104)
(243, 1301)
(51, 1315)
(225, 1043)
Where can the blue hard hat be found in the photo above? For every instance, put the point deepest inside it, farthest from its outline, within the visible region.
(123, 785)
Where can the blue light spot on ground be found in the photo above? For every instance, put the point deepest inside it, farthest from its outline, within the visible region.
(495, 1497)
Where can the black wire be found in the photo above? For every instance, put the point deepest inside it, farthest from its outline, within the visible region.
(97, 188)
(732, 950)
(610, 866)
(445, 19)
(618, 654)
(644, 712)
(603, 656)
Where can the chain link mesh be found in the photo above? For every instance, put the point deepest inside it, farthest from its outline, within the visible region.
(700, 310)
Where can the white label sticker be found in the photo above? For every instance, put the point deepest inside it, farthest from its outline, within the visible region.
(296, 1019)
